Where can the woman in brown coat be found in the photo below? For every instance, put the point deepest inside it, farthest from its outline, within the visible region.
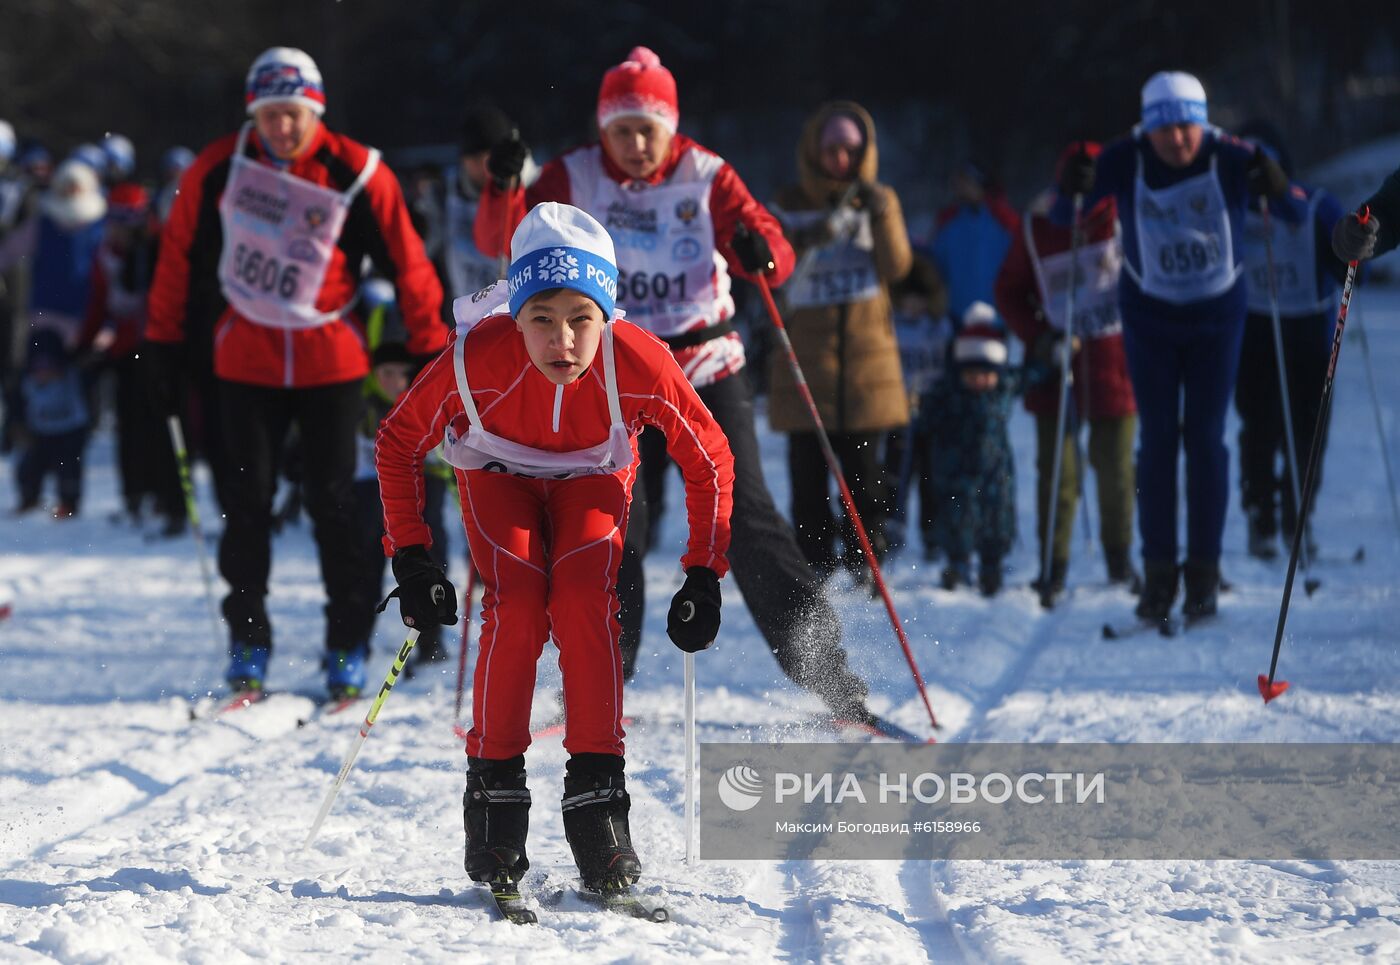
(849, 234)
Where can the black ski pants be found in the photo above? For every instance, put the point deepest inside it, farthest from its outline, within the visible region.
(1307, 347)
(782, 592)
(256, 420)
(858, 454)
(144, 453)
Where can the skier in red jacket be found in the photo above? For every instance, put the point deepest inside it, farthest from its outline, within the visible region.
(684, 223)
(544, 441)
(265, 242)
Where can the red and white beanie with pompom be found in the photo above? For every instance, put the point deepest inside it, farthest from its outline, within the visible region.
(979, 342)
(639, 87)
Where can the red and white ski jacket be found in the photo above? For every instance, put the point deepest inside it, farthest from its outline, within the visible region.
(185, 298)
(1100, 368)
(717, 199)
(516, 401)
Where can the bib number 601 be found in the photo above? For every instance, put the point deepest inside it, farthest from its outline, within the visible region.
(269, 275)
(639, 287)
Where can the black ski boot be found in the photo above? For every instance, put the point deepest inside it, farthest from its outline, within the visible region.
(1158, 590)
(1263, 539)
(1051, 590)
(595, 822)
(957, 573)
(496, 814)
(1120, 569)
(1202, 589)
(989, 575)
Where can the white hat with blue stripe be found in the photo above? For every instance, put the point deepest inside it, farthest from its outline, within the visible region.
(1172, 97)
(560, 246)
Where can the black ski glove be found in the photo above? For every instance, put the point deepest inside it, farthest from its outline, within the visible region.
(1077, 177)
(1266, 177)
(693, 621)
(426, 597)
(162, 367)
(507, 159)
(752, 250)
(1353, 239)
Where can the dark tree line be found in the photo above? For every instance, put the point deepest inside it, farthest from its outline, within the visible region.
(1006, 82)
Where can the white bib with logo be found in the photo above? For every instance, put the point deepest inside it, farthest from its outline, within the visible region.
(1295, 264)
(840, 272)
(923, 349)
(1096, 313)
(670, 277)
(1185, 243)
(468, 269)
(479, 448)
(280, 233)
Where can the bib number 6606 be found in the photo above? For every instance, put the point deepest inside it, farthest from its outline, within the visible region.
(269, 275)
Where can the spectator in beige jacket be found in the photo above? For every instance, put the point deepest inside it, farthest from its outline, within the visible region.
(848, 231)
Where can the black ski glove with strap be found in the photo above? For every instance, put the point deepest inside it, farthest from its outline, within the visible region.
(507, 159)
(1077, 176)
(752, 250)
(1265, 176)
(693, 622)
(426, 597)
(1354, 239)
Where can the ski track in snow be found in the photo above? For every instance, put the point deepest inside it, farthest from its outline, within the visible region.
(129, 833)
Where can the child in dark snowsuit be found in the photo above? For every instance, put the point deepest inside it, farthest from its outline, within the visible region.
(54, 413)
(974, 475)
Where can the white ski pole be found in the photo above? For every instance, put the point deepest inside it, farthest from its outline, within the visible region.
(182, 462)
(1061, 412)
(1288, 437)
(360, 738)
(1380, 426)
(690, 758)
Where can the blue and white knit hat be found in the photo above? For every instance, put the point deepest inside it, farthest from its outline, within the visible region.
(285, 75)
(560, 246)
(1172, 97)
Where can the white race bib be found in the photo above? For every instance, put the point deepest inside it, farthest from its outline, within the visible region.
(670, 277)
(839, 272)
(1100, 263)
(1184, 239)
(280, 233)
(479, 448)
(1295, 264)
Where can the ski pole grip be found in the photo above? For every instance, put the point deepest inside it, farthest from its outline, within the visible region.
(1365, 214)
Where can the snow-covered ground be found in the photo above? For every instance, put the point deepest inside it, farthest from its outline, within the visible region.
(130, 834)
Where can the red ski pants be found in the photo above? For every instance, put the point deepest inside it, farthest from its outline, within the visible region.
(547, 552)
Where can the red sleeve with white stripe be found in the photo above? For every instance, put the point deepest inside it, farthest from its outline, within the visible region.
(730, 204)
(693, 438)
(408, 433)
